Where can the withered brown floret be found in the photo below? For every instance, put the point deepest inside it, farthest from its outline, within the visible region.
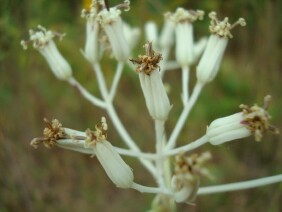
(257, 119)
(52, 132)
(148, 62)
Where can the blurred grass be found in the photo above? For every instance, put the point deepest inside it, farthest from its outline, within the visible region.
(58, 180)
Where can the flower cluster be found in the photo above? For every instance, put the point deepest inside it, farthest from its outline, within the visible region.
(105, 30)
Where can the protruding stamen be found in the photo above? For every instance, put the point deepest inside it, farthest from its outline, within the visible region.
(41, 37)
(182, 15)
(223, 28)
(124, 6)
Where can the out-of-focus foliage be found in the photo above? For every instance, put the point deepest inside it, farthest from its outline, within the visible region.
(58, 180)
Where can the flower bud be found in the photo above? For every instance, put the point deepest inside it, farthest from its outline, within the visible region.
(184, 187)
(117, 170)
(184, 50)
(91, 49)
(167, 33)
(113, 27)
(151, 31)
(227, 129)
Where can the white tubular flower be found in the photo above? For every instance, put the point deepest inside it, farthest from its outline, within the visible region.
(152, 86)
(117, 170)
(253, 120)
(185, 182)
(88, 142)
(210, 62)
(199, 47)
(155, 95)
(91, 49)
(132, 35)
(151, 31)
(113, 27)
(43, 41)
(167, 34)
(184, 50)
(184, 187)
(227, 129)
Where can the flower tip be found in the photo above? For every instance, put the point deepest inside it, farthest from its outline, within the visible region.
(24, 44)
(242, 22)
(201, 14)
(34, 143)
(212, 15)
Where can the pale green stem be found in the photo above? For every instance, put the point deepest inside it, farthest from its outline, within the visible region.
(188, 147)
(116, 80)
(131, 153)
(152, 190)
(91, 98)
(159, 129)
(101, 81)
(185, 84)
(149, 156)
(182, 119)
(79, 146)
(240, 185)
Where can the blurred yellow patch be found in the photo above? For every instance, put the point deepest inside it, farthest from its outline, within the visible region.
(87, 4)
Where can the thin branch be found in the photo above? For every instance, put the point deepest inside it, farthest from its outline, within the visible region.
(153, 190)
(188, 147)
(116, 80)
(94, 100)
(182, 119)
(240, 185)
(159, 129)
(101, 80)
(185, 84)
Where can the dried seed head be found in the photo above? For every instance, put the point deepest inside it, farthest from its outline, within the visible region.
(52, 132)
(256, 119)
(148, 62)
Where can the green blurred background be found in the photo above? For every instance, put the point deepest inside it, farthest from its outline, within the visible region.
(59, 180)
